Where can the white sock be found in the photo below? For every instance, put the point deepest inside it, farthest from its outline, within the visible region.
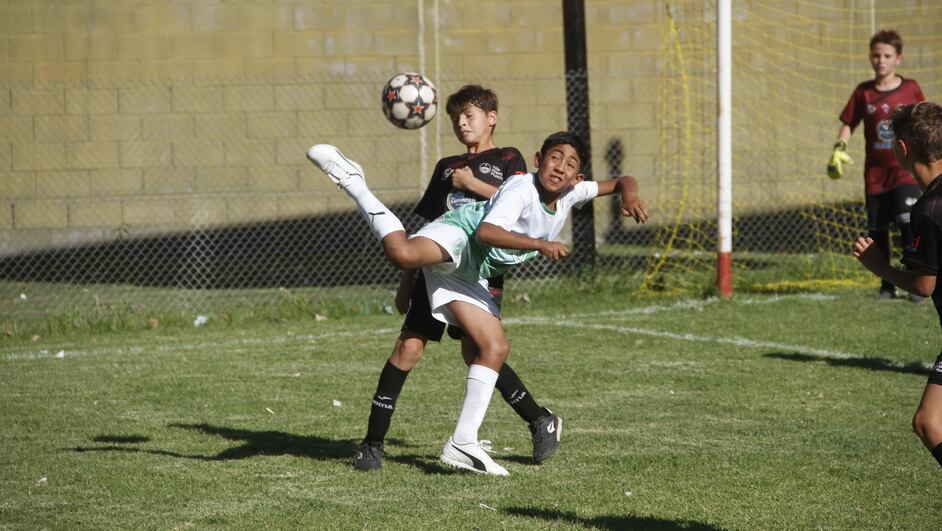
(480, 387)
(380, 218)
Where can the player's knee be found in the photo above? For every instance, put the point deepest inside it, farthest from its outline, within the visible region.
(495, 350)
(407, 353)
(925, 423)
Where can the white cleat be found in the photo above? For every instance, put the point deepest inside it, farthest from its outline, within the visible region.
(471, 456)
(339, 168)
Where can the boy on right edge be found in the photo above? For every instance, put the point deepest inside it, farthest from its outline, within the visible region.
(918, 147)
(890, 190)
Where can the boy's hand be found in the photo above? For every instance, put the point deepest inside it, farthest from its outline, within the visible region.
(635, 208)
(867, 253)
(461, 177)
(839, 157)
(553, 250)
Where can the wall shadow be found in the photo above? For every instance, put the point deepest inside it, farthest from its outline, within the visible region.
(872, 364)
(610, 521)
(330, 250)
(760, 231)
(340, 250)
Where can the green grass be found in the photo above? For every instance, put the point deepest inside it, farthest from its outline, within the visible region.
(763, 412)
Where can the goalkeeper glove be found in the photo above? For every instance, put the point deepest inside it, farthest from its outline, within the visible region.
(839, 157)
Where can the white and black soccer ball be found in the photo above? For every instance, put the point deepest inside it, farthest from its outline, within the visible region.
(409, 100)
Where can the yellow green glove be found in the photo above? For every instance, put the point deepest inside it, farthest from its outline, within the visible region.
(839, 157)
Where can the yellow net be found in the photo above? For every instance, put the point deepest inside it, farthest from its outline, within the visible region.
(795, 65)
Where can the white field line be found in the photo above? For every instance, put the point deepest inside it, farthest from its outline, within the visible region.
(736, 341)
(700, 304)
(690, 304)
(172, 346)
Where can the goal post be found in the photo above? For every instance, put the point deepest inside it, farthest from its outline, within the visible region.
(724, 151)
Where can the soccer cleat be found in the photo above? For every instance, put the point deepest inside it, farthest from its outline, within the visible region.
(546, 431)
(471, 456)
(368, 456)
(886, 294)
(916, 298)
(341, 170)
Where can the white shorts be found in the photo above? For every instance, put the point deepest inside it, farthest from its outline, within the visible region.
(443, 285)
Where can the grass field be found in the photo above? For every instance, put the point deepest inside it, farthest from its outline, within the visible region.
(763, 412)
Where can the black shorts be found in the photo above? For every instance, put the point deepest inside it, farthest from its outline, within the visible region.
(892, 206)
(419, 319)
(935, 376)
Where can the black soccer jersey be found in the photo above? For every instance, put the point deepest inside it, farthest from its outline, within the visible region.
(925, 252)
(492, 166)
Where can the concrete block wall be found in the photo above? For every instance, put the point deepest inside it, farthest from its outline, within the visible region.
(139, 116)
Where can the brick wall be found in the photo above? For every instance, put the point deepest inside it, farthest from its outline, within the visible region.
(130, 117)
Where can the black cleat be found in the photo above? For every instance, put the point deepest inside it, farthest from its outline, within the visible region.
(546, 431)
(368, 456)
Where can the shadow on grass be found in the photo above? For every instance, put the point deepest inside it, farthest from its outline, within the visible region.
(267, 443)
(121, 439)
(254, 443)
(609, 522)
(873, 364)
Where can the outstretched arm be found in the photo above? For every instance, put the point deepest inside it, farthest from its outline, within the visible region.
(872, 258)
(494, 236)
(631, 204)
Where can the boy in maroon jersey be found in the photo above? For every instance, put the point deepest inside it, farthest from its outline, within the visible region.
(456, 180)
(890, 190)
(918, 146)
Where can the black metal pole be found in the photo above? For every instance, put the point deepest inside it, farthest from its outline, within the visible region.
(577, 111)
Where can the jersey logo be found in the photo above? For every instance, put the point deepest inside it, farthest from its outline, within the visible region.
(871, 109)
(885, 107)
(447, 173)
(913, 247)
(488, 169)
(885, 132)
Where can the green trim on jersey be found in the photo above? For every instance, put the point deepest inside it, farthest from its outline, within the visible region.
(479, 260)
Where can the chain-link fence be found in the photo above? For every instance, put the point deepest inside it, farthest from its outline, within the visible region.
(182, 194)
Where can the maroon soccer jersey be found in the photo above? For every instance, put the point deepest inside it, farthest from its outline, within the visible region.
(874, 107)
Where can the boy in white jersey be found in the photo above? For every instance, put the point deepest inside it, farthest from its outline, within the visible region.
(462, 248)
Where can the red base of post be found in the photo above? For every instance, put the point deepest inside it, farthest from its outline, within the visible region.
(724, 274)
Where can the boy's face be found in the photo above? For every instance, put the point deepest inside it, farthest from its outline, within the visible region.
(884, 59)
(559, 168)
(473, 126)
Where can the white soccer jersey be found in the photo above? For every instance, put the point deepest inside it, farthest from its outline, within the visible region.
(515, 207)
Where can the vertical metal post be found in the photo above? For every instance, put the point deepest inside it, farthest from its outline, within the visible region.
(577, 111)
(724, 243)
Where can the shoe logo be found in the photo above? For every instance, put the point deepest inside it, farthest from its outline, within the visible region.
(475, 462)
(374, 214)
(359, 455)
(551, 428)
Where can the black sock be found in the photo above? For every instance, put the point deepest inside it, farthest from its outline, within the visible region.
(517, 395)
(390, 384)
(937, 453)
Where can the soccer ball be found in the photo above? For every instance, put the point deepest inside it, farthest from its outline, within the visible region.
(409, 100)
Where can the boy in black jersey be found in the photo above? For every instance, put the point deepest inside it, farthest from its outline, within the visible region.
(918, 147)
(456, 180)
